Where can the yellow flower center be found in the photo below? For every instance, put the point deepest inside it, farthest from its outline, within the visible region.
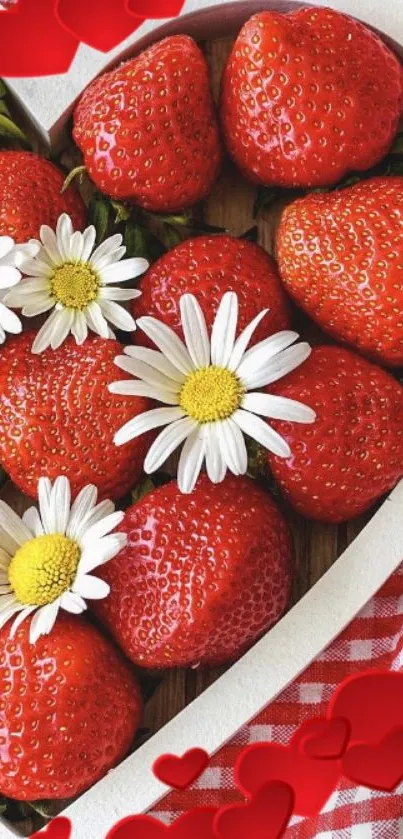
(211, 394)
(43, 569)
(75, 285)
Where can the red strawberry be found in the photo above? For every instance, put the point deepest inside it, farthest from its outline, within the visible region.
(299, 96)
(341, 256)
(69, 709)
(207, 267)
(58, 418)
(202, 577)
(148, 129)
(353, 453)
(30, 195)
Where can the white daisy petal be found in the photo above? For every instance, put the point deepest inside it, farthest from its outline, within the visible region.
(109, 258)
(167, 441)
(133, 388)
(260, 355)
(279, 366)
(117, 315)
(64, 235)
(50, 245)
(143, 371)
(32, 520)
(89, 237)
(10, 611)
(45, 509)
(9, 320)
(6, 246)
(79, 328)
(233, 447)
(278, 407)
(60, 504)
(195, 330)
(43, 621)
(112, 292)
(81, 509)
(224, 330)
(243, 341)
(215, 464)
(73, 603)
(2, 335)
(13, 525)
(5, 559)
(9, 276)
(105, 248)
(156, 360)
(62, 328)
(147, 422)
(104, 508)
(92, 588)
(101, 528)
(260, 431)
(45, 334)
(128, 269)
(96, 320)
(38, 306)
(76, 246)
(21, 617)
(191, 460)
(101, 551)
(167, 342)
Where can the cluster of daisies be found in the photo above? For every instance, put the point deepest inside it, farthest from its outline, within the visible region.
(209, 387)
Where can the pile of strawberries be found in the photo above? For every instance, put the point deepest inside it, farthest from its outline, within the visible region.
(306, 99)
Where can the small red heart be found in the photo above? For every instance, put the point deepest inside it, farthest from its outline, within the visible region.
(329, 742)
(196, 823)
(378, 767)
(156, 8)
(59, 828)
(181, 772)
(44, 47)
(102, 24)
(312, 780)
(264, 817)
(371, 702)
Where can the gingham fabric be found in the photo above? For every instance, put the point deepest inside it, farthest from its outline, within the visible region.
(373, 639)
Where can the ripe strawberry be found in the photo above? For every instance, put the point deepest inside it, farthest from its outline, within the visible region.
(148, 129)
(70, 707)
(353, 453)
(299, 95)
(340, 257)
(207, 267)
(202, 577)
(30, 195)
(57, 417)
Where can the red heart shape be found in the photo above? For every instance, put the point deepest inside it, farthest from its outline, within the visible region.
(181, 772)
(379, 767)
(196, 823)
(44, 47)
(371, 702)
(156, 8)
(264, 817)
(57, 829)
(102, 24)
(312, 780)
(330, 740)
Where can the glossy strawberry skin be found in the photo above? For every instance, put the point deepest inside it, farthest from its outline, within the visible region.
(58, 418)
(353, 453)
(148, 130)
(207, 267)
(69, 709)
(30, 195)
(299, 95)
(340, 256)
(202, 577)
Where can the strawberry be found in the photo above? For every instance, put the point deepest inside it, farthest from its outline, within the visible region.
(353, 453)
(70, 707)
(148, 129)
(207, 267)
(299, 94)
(30, 195)
(57, 417)
(340, 256)
(202, 576)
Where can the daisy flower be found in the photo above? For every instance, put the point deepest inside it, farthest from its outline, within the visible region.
(12, 259)
(210, 386)
(77, 282)
(47, 556)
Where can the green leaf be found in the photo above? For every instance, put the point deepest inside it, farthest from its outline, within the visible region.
(4, 109)
(135, 240)
(142, 489)
(184, 220)
(8, 128)
(251, 235)
(171, 236)
(3, 89)
(397, 147)
(123, 211)
(77, 172)
(98, 215)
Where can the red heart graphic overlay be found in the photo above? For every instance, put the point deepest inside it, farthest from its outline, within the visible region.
(372, 704)
(44, 46)
(264, 817)
(195, 824)
(329, 742)
(59, 828)
(102, 24)
(379, 767)
(181, 772)
(312, 780)
(156, 8)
